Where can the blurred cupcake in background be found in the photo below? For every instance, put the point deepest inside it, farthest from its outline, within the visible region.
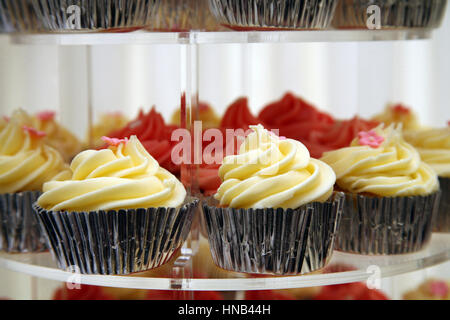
(433, 146)
(154, 134)
(432, 289)
(295, 118)
(57, 136)
(107, 123)
(206, 115)
(391, 195)
(336, 136)
(27, 162)
(398, 113)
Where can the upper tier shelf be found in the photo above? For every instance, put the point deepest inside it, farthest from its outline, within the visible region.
(141, 37)
(365, 267)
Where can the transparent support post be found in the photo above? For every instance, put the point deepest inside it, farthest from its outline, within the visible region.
(75, 88)
(181, 273)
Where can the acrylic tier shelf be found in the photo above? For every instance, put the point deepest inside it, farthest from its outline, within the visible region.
(142, 37)
(437, 251)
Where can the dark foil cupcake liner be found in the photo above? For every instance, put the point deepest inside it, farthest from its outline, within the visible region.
(78, 15)
(442, 221)
(19, 229)
(183, 16)
(274, 14)
(386, 225)
(116, 242)
(17, 15)
(393, 13)
(273, 241)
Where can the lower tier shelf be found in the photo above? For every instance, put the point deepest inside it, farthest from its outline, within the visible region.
(362, 268)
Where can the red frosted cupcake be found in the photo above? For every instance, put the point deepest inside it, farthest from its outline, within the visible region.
(155, 136)
(337, 136)
(295, 118)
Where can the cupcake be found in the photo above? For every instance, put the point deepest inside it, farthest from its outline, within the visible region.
(272, 14)
(336, 136)
(56, 135)
(183, 16)
(82, 15)
(17, 15)
(275, 211)
(295, 118)
(107, 123)
(398, 113)
(395, 14)
(238, 116)
(26, 163)
(154, 134)
(432, 289)
(119, 213)
(391, 195)
(434, 149)
(206, 115)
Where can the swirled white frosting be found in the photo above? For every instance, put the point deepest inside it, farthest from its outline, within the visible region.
(394, 168)
(120, 177)
(26, 162)
(272, 172)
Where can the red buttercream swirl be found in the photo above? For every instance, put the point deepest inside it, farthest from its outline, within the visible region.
(154, 135)
(238, 116)
(295, 118)
(340, 135)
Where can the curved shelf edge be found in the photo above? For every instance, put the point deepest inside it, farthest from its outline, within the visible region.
(438, 251)
(223, 37)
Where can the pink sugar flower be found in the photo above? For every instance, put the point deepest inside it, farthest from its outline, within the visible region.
(370, 138)
(6, 118)
(439, 288)
(46, 115)
(33, 132)
(114, 142)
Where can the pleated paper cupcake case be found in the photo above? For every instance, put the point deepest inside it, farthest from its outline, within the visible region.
(94, 15)
(116, 242)
(17, 15)
(183, 16)
(273, 241)
(386, 225)
(442, 221)
(393, 13)
(289, 14)
(19, 229)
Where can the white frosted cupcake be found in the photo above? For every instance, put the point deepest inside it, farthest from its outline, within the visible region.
(391, 195)
(26, 163)
(275, 211)
(119, 213)
(433, 146)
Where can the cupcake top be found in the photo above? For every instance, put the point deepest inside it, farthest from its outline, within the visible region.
(238, 116)
(154, 134)
(124, 176)
(206, 115)
(107, 123)
(381, 163)
(26, 162)
(434, 148)
(273, 172)
(398, 113)
(56, 135)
